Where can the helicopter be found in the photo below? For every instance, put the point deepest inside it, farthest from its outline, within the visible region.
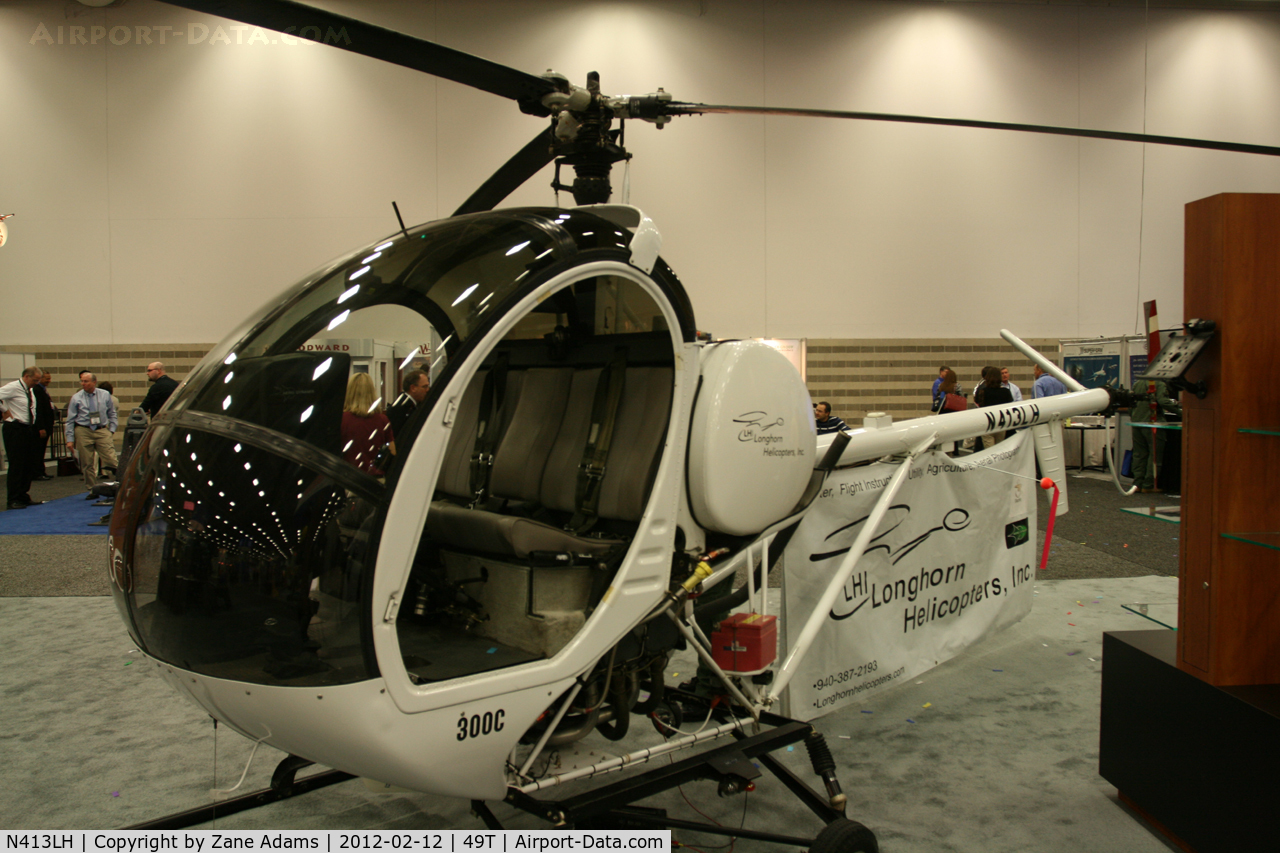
(582, 477)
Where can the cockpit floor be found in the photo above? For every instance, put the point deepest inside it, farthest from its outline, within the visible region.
(435, 653)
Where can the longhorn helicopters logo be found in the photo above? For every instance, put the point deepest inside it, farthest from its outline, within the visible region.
(860, 590)
(907, 591)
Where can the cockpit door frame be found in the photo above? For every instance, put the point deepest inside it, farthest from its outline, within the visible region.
(641, 579)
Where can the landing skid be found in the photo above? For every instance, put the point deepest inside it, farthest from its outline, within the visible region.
(732, 766)
(283, 787)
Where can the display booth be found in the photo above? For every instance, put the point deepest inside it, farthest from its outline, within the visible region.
(1191, 719)
(1094, 363)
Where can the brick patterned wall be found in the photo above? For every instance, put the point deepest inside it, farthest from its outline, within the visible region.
(896, 375)
(124, 365)
(856, 376)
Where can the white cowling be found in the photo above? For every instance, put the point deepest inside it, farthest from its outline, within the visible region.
(752, 439)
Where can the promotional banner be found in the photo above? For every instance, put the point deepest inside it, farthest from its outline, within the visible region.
(952, 562)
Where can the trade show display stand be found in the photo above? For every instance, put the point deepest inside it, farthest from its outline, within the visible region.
(1191, 718)
(1229, 568)
(1195, 760)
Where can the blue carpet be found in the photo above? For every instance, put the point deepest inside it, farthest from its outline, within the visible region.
(64, 516)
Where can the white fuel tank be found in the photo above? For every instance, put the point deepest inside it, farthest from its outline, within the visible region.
(752, 440)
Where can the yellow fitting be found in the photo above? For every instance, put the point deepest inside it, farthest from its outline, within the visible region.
(699, 575)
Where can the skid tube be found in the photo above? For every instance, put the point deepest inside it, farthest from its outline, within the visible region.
(284, 785)
(613, 806)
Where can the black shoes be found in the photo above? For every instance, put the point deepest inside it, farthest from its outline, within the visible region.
(43, 477)
(17, 505)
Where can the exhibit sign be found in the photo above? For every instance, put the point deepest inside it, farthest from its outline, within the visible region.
(953, 562)
(354, 347)
(1093, 363)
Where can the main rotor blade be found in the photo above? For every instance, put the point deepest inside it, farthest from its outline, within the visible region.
(521, 167)
(681, 108)
(397, 48)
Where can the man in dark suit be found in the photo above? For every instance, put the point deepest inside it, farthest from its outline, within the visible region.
(44, 425)
(416, 386)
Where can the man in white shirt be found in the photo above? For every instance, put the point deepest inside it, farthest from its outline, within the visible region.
(18, 410)
(1013, 389)
(91, 423)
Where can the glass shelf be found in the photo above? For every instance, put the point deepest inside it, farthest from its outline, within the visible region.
(1256, 431)
(1266, 540)
(1161, 425)
(1163, 613)
(1171, 514)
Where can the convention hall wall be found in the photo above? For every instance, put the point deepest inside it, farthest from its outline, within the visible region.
(171, 171)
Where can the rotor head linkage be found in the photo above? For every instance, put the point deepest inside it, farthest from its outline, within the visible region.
(584, 137)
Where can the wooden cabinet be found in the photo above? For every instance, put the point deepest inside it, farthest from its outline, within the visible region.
(1229, 562)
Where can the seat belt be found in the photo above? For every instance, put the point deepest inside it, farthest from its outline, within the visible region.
(604, 414)
(491, 400)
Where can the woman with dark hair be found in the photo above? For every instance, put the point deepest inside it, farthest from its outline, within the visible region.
(948, 385)
(991, 393)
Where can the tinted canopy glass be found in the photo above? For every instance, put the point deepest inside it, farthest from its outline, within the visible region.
(243, 541)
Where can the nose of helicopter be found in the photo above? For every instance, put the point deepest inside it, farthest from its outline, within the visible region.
(239, 563)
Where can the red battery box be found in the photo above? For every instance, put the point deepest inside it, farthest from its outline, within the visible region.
(745, 643)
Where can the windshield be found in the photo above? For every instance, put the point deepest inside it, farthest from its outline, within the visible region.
(448, 277)
(249, 519)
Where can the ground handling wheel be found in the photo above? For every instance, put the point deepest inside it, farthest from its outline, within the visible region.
(845, 836)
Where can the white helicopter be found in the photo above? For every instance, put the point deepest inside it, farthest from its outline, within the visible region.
(519, 578)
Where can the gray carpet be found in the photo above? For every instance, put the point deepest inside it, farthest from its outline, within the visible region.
(1097, 539)
(1004, 758)
(53, 565)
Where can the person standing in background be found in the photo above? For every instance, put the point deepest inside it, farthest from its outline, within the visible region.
(161, 389)
(44, 424)
(993, 394)
(824, 420)
(1013, 389)
(111, 389)
(365, 428)
(91, 423)
(950, 385)
(1046, 385)
(18, 410)
(942, 376)
(1148, 444)
(416, 385)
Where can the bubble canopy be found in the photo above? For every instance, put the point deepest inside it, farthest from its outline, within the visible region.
(243, 543)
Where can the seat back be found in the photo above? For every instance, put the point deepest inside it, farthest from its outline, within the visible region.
(535, 422)
(639, 428)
